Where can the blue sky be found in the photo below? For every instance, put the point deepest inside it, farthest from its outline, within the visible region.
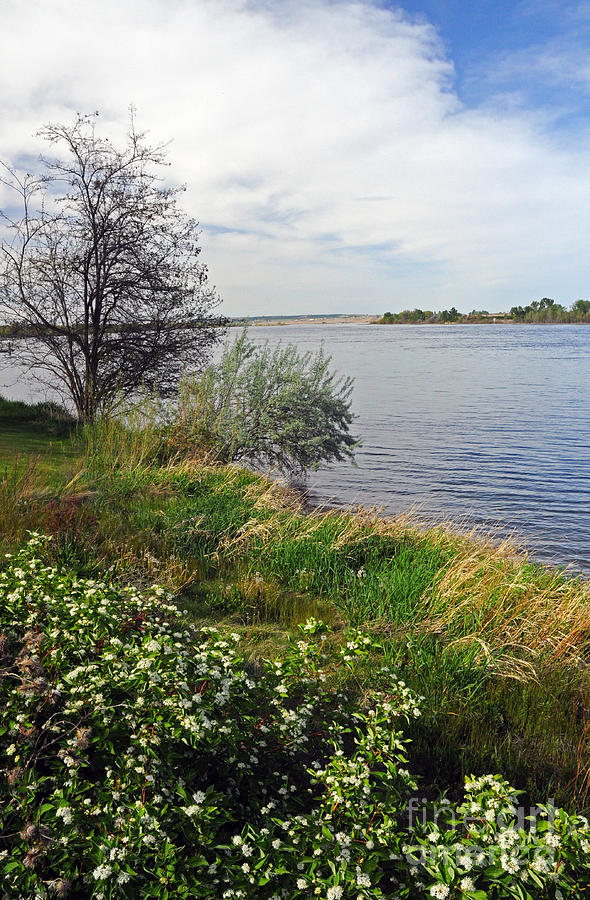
(341, 155)
(509, 46)
(479, 29)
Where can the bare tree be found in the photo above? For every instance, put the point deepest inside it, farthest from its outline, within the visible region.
(100, 271)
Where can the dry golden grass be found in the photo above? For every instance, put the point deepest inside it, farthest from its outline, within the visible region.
(493, 594)
(22, 482)
(267, 494)
(144, 568)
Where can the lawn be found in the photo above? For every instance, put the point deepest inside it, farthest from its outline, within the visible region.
(35, 436)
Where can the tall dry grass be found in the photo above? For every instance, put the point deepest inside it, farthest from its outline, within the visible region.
(497, 596)
(128, 442)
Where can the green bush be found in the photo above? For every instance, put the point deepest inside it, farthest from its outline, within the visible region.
(143, 758)
(45, 412)
(267, 406)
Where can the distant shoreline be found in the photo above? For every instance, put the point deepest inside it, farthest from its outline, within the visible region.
(328, 319)
(257, 321)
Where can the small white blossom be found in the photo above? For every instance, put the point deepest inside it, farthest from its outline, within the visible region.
(102, 872)
(440, 891)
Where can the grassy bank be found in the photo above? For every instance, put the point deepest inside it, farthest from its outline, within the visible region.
(38, 435)
(497, 645)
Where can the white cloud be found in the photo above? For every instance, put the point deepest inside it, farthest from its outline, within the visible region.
(285, 115)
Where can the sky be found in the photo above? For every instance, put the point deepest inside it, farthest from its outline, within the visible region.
(341, 155)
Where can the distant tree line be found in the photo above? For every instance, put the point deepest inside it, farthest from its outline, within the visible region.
(540, 311)
(417, 316)
(547, 310)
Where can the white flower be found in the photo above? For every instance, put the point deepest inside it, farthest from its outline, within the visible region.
(65, 813)
(102, 872)
(192, 810)
(552, 840)
(467, 884)
(509, 864)
(334, 893)
(301, 883)
(440, 891)
(507, 838)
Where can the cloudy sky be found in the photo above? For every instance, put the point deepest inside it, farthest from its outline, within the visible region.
(341, 155)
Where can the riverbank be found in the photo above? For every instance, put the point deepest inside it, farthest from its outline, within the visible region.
(498, 646)
(317, 319)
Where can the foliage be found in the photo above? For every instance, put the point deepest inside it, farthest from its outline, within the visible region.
(407, 317)
(449, 315)
(581, 308)
(498, 646)
(34, 440)
(487, 848)
(275, 407)
(420, 316)
(132, 438)
(540, 311)
(42, 413)
(547, 310)
(141, 756)
(102, 271)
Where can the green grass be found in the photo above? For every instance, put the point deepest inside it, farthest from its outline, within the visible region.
(498, 647)
(38, 435)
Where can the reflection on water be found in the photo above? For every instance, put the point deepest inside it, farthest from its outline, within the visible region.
(486, 422)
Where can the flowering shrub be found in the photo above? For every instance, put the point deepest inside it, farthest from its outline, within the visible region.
(141, 757)
(481, 849)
